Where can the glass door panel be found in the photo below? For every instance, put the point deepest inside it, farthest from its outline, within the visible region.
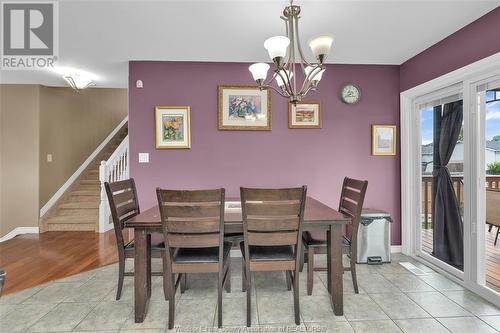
(490, 100)
(442, 181)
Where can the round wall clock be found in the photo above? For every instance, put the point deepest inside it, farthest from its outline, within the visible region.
(350, 93)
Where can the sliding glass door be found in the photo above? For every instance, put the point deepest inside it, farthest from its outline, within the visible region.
(440, 235)
(450, 155)
(488, 190)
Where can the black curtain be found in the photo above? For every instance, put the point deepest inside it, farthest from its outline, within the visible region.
(448, 225)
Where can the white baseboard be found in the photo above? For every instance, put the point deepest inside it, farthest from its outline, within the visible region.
(19, 231)
(396, 248)
(82, 167)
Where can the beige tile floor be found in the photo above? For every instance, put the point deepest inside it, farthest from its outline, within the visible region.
(390, 299)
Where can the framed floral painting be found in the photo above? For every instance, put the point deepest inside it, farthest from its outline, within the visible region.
(244, 108)
(304, 115)
(383, 140)
(172, 127)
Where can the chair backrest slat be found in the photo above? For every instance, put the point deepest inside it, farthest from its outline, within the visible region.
(185, 196)
(124, 196)
(348, 207)
(192, 240)
(352, 194)
(258, 194)
(126, 208)
(272, 238)
(199, 225)
(192, 210)
(272, 223)
(273, 208)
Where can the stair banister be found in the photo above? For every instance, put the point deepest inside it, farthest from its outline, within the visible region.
(112, 170)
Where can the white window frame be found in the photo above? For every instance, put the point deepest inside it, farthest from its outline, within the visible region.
(469, 77)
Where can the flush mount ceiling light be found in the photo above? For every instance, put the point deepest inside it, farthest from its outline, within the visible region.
(76, 79)
(283, 52)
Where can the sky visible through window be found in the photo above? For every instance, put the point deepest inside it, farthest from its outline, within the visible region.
(492, 119)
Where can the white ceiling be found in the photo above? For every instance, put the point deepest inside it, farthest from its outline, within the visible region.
(102, 36)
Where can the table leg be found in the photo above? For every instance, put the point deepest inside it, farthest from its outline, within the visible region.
(336, 268)
(148, 248)
(141, 295)
(329, 277)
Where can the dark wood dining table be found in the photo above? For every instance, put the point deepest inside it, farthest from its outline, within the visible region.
(317, 216)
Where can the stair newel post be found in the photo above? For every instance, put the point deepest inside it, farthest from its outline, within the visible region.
(103, 205)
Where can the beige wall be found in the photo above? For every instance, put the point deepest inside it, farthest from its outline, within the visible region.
(72, 125)
(36, 121)
(19, 146)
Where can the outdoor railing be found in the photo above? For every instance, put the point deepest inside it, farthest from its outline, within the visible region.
(492, 181)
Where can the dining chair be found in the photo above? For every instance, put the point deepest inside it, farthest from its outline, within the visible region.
(315, 242)
(493, 210)
(124, 204)
(272, 228)
(193, 226)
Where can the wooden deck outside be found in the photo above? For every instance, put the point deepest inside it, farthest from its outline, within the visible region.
(492, 256)
(492, 252)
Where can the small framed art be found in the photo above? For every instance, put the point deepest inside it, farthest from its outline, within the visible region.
(173, 127)
(244, 108)
(304, 115)
(383, 140)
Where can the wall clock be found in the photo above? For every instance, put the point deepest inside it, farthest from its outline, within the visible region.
(350, 93)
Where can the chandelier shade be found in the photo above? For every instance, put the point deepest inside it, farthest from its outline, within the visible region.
(277, 46)
(320, 46)
(288, 57)
(259, 71)
(313, 73)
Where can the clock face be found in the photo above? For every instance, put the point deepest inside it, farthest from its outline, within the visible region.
(351, 94)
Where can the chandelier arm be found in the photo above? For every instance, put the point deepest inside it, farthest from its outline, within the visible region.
(305, 88)
(293, 88)
(268, 86)
(286, 19)
(309, 88)
(299, 46)
(286, 80)
(308, 78)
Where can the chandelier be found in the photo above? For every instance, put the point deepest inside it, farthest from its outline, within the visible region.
(284, 51)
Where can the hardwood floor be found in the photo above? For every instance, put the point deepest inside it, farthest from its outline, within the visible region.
(33, 259)
(492, 256)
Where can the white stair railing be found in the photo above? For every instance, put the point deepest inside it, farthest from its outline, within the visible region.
(112, 170)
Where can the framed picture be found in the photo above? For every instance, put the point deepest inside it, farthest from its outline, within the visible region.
(383, 140)
(172, 127)
(304, 115)
(244, 108)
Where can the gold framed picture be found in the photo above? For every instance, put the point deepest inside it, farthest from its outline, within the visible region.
(173, 127)
(383, 140)
(244, 108)
(304, 115)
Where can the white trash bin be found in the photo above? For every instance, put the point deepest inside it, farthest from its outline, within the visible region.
(374, 237)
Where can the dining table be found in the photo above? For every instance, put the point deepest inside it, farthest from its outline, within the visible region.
(317, 216)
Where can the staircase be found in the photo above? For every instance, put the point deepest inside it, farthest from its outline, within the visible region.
(78, 208)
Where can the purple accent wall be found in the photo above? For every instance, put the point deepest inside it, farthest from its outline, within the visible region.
(475, 41)
(281, 157)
